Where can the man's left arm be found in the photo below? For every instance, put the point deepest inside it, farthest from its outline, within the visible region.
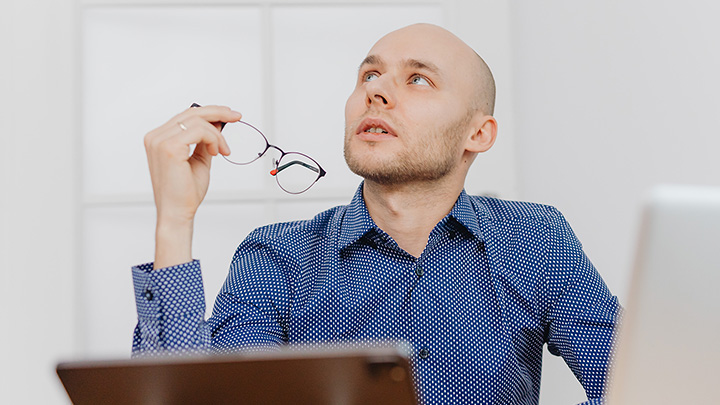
(582, 314)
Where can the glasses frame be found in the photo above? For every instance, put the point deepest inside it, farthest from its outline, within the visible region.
(276, 162)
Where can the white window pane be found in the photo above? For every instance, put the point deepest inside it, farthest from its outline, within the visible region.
(317, 52)
(114, 240)
(117, 238)
(143, 65)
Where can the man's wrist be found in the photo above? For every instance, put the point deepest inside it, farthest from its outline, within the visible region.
(173, 242)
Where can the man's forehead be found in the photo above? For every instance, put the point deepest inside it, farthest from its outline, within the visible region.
(429, 44)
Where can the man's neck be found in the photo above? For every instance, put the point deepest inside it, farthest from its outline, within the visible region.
(409, 212)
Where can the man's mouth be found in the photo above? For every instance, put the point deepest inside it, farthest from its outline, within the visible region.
(375, 127)
(376, 130)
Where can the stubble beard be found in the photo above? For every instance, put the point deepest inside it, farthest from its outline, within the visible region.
(433, 156)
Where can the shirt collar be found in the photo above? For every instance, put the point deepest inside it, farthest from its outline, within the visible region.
(357, 221)
(464, 213)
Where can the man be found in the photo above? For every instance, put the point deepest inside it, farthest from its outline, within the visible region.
(476, 285)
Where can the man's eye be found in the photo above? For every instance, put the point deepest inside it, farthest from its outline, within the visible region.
(370, 77)
(420, 80)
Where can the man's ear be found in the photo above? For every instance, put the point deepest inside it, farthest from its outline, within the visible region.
(483, 137)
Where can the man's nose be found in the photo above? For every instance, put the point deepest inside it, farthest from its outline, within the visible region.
(379, 93)
(380, 98)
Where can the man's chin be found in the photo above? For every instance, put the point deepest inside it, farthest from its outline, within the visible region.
(364, 160)
(394, 172)
(381, 168)
(379, 173)
(370, 169)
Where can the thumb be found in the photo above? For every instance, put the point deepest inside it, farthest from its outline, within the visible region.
(201, 156)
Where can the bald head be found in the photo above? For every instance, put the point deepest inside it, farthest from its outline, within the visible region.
(475, 73)
(421, 109)
(485, 87)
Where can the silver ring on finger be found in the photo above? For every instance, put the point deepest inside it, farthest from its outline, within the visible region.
(182, 126)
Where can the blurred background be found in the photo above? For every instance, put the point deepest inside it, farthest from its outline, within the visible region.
(598, 101)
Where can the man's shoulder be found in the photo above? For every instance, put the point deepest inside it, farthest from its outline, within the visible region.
(499, 210)
(306, 229)
(526, 223)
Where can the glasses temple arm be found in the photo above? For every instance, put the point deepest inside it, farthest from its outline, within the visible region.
(294, 162)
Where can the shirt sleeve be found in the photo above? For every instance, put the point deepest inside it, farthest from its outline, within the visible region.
(171, 310)
(582, 315)
(250, 312)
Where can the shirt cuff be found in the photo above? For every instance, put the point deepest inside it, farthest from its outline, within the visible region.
(169, 292)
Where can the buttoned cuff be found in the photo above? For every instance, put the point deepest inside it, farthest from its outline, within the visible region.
(170, 292)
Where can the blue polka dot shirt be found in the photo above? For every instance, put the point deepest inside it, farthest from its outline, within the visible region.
(496, 281)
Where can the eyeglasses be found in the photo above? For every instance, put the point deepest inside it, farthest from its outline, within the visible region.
(294, 172)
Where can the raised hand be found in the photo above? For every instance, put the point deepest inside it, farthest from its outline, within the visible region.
(180, 178)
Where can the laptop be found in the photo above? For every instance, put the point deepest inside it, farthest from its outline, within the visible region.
(669, 343)
(378, 375)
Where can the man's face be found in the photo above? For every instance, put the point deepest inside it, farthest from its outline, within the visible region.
(407, 119)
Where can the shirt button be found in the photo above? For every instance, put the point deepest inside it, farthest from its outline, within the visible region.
(148, 294)
(424, 353)
(419, 271)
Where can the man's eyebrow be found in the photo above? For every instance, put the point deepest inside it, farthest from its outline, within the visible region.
(419, 64)
(371, 60)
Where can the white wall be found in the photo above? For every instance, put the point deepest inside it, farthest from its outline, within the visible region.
(38, 155)
(613, 97)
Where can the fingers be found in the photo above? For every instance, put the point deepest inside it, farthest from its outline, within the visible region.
(217, 115)
(199, 132)
(194, 126)
(210, 113)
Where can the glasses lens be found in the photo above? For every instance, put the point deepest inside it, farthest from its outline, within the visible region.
(296, 172)
(246, 143)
